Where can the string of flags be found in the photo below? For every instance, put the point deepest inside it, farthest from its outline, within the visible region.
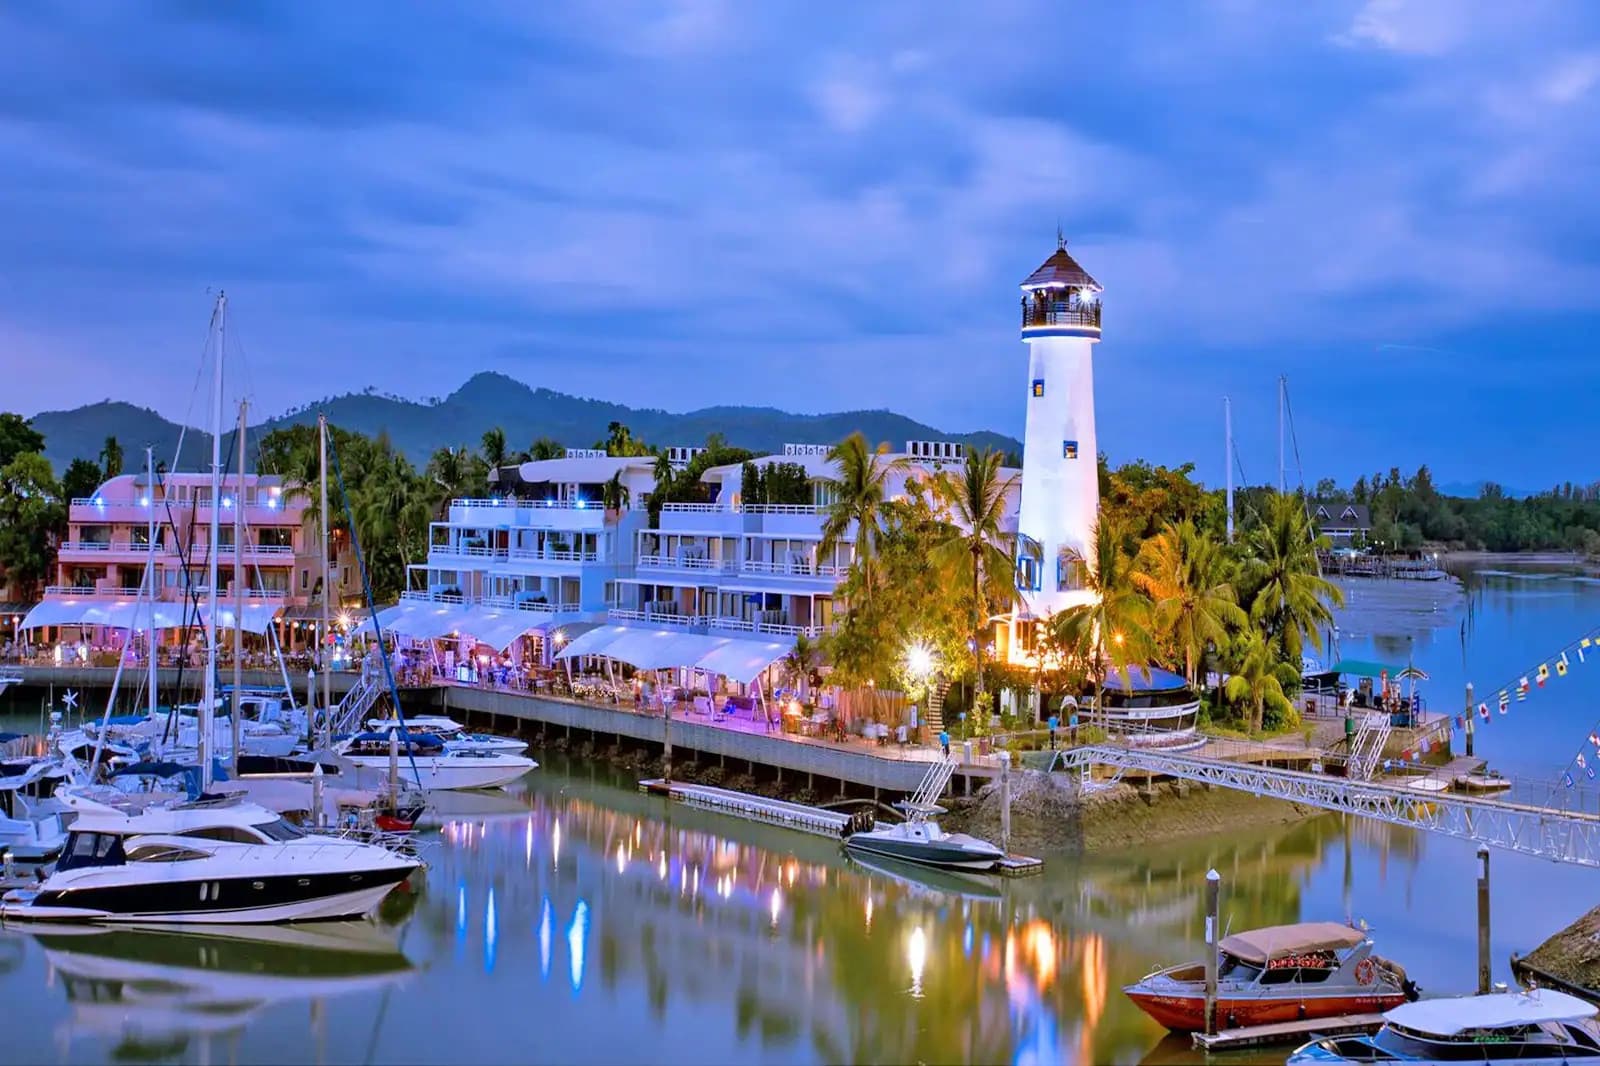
(1584, 762)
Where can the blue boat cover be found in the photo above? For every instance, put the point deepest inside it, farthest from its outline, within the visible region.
(421, 740)
(1144, 679)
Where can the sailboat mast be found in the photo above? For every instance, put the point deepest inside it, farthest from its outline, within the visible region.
(208, 697)
(327, 585)
(1283, 484)
(1227, 457)
(150, 571)
(238, 593)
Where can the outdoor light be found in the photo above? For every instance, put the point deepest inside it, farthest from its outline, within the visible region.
(99, 501)
(144, 501)
(559, 637)
(919, 660)
(579, 503)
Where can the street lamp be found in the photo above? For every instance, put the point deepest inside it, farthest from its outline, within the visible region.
(919, 661)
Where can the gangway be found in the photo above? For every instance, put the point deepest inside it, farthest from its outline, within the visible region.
(933, 783)
(1558, 834)
(1366, 749)
(350, 711)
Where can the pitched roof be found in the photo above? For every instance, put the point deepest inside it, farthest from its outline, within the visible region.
(1061, 270)
(1341, 515)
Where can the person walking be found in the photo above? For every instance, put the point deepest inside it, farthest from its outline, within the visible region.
(944, 742)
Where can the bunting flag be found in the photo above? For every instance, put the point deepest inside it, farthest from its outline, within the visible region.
(1461, 723)
(1483, 710)
(1544, 674)
(1582, 644)
(1522, 688)
(1594, 738)
(1505, 702)
(1566, 779)
(1582, 762)
(1590, 771)
(1427, 745)
(1561, 665)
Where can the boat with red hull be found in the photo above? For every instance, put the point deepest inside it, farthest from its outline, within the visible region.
(1279, 973)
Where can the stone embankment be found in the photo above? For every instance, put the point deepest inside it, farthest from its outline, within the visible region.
(1572, 955)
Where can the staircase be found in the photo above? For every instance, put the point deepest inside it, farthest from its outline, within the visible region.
(934, 718)
(933, 783)
(1366, 748)
(351, 711)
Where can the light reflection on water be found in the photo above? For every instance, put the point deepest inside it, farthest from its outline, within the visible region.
(575, 920)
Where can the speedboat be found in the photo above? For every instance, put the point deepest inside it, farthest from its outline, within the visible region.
(455, 737)
(30, 827)
(1278, 973)
(919, 839)
(436, 766)
(206, 861)
(1541, 1027)
(1486, 782)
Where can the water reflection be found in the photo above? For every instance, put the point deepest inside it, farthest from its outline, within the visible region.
(150, 993)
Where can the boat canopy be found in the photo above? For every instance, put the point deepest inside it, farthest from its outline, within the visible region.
(1144, 679)
(1258, 945)
(419, 740)
(1364, 668)
(1452, 1015)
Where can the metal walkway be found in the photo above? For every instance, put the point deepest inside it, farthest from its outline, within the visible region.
(1546, 832)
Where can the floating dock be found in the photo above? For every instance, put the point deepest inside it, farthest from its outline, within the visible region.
(1287, 1032)
(807, 819)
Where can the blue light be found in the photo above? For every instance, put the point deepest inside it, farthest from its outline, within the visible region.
(545, 925)
(578, 502)
(461, 912)
(144, 501)
(575, 946)
(272, 503)
(99, 501)
(491, 932)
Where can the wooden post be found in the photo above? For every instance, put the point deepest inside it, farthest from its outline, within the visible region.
(1484, 974)
(1469, 718)
(1005, 801)
(1213, 895)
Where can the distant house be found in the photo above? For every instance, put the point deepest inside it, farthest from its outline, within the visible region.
(1343, 523)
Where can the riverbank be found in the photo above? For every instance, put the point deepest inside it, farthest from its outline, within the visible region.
(1573, 955)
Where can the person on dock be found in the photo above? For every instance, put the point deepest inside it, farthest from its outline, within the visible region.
(944, 743)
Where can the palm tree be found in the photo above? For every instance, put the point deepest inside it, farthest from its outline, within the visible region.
(859, 498)
(1292, 599)
(1184, 573)
(974, 547)
(802, 660)
(452, 473)
(494, 449)
(1258, 679)
(546, 448)
(1113, 628)
(614, 494)
(111, 457)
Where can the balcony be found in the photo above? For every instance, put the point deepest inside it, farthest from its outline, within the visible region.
(1068, 316)
(792, 569)
(554, 555)
(691, 563)
(712, 622)
(464, 551)
(101, 549)
(540, 607)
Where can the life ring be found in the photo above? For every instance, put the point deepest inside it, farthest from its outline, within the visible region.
(1366, 971)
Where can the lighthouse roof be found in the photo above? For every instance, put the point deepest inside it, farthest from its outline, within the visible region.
(1061, 271)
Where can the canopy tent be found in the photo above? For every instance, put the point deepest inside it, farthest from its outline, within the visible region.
(388, 618)
(1144, 679)
(257, 617)
(425, 621)
(1364, 668)
(115, 614)
(498, 627)
(656, 649)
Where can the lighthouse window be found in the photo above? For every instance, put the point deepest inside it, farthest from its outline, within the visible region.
(1069, 449)
(1038, 386)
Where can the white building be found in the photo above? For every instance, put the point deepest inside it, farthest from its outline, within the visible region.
(1061, 491)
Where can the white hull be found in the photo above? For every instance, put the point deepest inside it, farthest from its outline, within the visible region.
(434, 772)
(347, 905)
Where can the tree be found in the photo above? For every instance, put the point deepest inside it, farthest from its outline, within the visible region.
(614, 494)
(1113, 629)
(111, 457)
(1291, 598)
(620, 441)
(975, 550)
(1259, 681)
(494, 449)
(546, 448)
(803, 660)
(1193, 604)
(858, 503)
(32, 519)
(80, 480)
(455, 473)
(17, 436)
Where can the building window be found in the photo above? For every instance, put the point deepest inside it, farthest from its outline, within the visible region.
(1071, 574)
(1069, 449)
(1028, 574)
(305, 580)
(1038, 387)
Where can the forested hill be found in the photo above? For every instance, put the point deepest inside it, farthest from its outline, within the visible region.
(483, 402)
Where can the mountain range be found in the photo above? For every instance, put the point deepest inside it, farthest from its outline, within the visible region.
(487, 400)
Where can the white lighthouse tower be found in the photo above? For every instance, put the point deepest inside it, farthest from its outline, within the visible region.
(1060, 465)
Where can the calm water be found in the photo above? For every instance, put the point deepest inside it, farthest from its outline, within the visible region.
(574, 920)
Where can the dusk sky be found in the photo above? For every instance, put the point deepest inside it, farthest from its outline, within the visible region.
(822, 207)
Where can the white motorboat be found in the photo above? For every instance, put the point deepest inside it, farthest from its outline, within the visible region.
(436, 766)
(920, 839)
(455, 737)
(30, 827)
(7, 680)
(1541, 1027)
(213, 861)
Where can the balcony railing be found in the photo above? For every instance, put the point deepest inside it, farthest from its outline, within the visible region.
(792, 569)
(702, 621)
(534, 505)
(679, 621)
(553, 555)
(668, 562)
(531, 606)
(784, 508)
(466, 551)
(1060, 313)
(693, 508)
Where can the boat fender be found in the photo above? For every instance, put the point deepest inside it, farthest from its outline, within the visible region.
(1302, 1010)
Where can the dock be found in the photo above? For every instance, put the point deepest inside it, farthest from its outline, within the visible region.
(815, 820)
(1286, 1032)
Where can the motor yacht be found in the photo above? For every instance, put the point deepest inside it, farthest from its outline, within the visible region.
(209, 861)
(436, 766)
(1541, 1027)
(455, 737)
(1277, 973)
(919, 839)
(31, 827)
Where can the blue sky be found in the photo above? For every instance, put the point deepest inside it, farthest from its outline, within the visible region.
(718, 201)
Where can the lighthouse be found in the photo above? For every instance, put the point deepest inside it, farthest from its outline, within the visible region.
(1060, 465)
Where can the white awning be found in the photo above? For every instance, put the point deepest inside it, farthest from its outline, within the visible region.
(53, 612)
(257, 617)
(498, 627)
(114, 614)
(742, 660)
(125, 614)
(658, 649)
(593, 642)
(387, 618)
(425, 621)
